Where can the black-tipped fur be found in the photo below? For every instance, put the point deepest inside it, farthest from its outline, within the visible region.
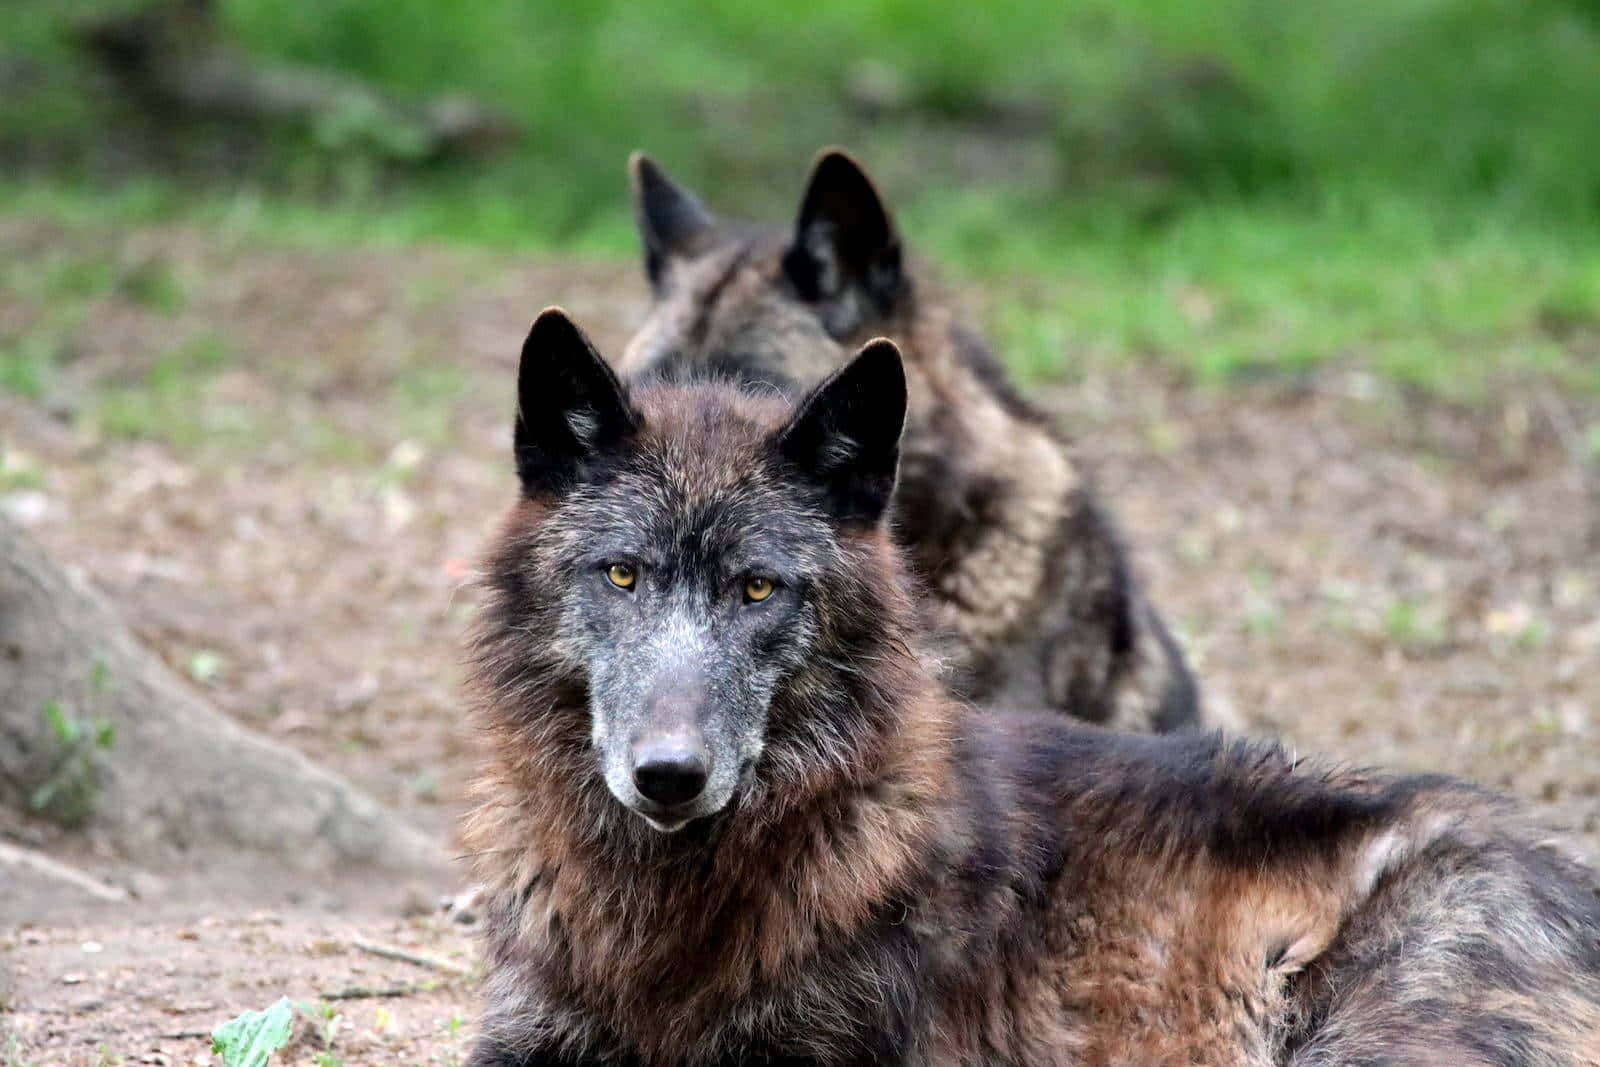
(570, 407)
(845, 439)
(671, 220)
(844, 238)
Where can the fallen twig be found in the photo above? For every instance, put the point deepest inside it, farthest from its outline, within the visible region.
(361, 992)
(390, 952)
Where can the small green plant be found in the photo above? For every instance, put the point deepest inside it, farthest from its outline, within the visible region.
(451, 1030)
(150, 283)
(1407, 622)
(250, 1039)
(1534, 636)
(14, 1053)
(70, 731)
(1263, 617)
(329, 1022)
(68, 791)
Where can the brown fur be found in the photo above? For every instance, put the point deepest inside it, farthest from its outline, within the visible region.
(904, 879)
(832, 840)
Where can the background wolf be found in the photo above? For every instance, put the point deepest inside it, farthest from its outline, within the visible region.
(1021, 560)
(730, 818)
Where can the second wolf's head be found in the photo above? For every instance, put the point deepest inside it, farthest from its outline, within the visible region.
(687, 568)
(781, 306)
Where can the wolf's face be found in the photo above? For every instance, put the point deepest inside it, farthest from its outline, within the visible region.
(688, 531)
(763, 305)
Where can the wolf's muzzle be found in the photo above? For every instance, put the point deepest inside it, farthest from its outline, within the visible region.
(670, 771)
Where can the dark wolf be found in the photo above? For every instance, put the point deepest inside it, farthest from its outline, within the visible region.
(731, 818)
(1020, 557)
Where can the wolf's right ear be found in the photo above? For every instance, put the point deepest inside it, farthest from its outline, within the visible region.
(570, 407)
(845, 438)
(844, 238)
(671, 220)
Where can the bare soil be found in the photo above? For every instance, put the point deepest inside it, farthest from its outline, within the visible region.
(1370, 575)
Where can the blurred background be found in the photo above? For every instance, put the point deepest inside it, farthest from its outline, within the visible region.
(1314, 287)
(1416, 178)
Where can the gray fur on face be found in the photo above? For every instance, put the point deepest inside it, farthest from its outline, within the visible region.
(682, 655)
(678, 681)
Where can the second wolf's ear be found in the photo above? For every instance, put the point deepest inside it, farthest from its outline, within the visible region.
(845, 437)
(844, 237)
(571, 410)
(671, 220)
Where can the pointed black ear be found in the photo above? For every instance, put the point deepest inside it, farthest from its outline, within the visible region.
(845, 438)
(570, 407)
(844, 236)
(671, 220)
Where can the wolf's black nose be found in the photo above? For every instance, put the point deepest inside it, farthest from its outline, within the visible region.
(669, 772)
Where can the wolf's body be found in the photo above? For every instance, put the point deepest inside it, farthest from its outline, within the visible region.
(894, 877)
(1021, 560)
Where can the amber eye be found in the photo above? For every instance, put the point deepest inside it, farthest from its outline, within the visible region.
(621, 575)
(757, 589)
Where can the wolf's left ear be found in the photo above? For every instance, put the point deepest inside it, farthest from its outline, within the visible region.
(845, 438)
(571, 409)
(844, 237)
(671, 220)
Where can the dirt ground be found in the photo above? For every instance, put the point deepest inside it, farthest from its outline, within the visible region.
(1374, 576)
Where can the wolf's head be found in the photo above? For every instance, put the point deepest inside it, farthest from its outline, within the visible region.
(687, 569)
(767, 305)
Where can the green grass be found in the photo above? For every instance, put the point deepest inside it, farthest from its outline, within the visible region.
(1139, 104)
(1237, 94)
(1236, 189)
(164, 403)
(18, 472)
(1233, 292)
(1241, 291)
(1412, 624)
(63, 289)
(27, 364)
(424, 398)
